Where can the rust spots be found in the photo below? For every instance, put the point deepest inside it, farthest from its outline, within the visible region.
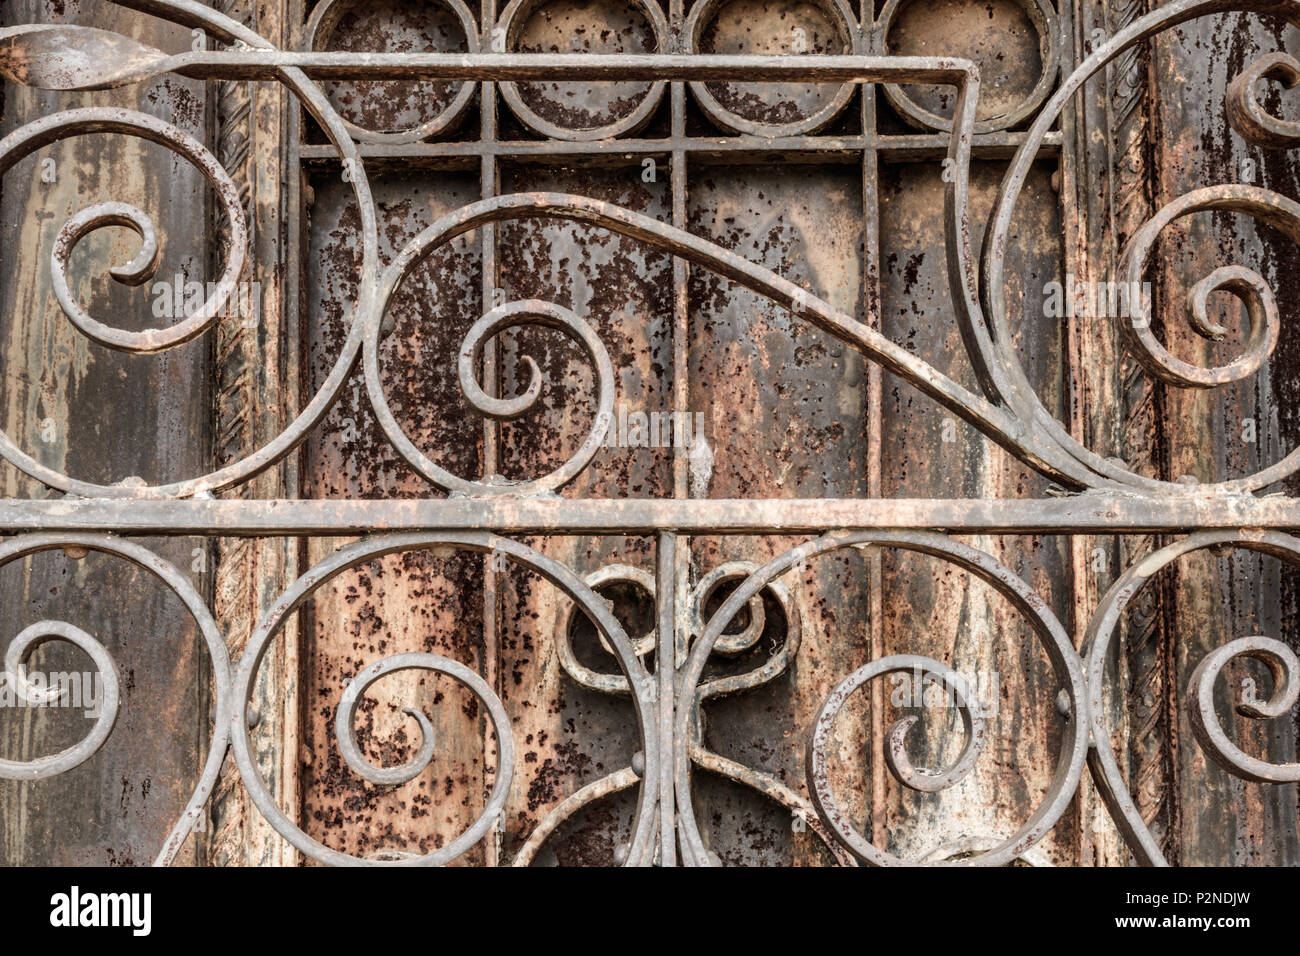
(393, 26)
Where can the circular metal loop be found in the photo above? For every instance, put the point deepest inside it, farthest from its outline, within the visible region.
(42, 132)
(1043, 18)
(17, 548)
(345, 722)
(896, 758)
(1052, 637)
(926, 781)
(522, 312)
(1245, 284)
(705, 12)
(1284, 668)
(728, 644)
(26, 140)
(591, 679)
(320, 30)
(777, 663)
(1245, 114)
(640, 683)
(513, 20)
(15, 673)
(772, 667)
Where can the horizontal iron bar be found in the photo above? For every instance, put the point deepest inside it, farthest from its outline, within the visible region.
(922, 145)
(254, 64)
(1089, 514)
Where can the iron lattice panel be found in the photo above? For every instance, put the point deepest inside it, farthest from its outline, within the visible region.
(489, 514)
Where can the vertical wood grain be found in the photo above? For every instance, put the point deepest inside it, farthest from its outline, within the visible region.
(1214, 599)
(111, 416)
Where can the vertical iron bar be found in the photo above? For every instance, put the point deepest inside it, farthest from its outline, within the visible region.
(489, 188)
(875, 458)
(680, 568)
(666, 671)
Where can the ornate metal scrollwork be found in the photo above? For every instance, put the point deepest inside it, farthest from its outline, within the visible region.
(669, 702)
(1280, 660)
(14, 549)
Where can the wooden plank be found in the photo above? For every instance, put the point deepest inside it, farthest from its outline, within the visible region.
(1105, 192)
(107, 416)
(786, 417)
(569, 736)
(1216, 598)
(254, 399)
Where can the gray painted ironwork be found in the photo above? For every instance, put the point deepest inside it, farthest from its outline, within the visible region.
(485, 513)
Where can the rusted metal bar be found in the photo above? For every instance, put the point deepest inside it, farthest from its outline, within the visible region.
(703, 148)
(21, 60)
(1076, 514)
(666, 679)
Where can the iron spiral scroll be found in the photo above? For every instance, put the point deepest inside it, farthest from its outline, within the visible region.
(669, 705)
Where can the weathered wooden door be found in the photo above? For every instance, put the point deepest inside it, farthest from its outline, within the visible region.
(756, 432)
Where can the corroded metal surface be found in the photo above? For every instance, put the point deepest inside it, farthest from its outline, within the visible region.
(376, 454)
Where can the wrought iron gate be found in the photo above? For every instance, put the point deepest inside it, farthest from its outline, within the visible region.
(635, 408)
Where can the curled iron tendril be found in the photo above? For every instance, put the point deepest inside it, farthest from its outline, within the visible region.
(1255, 124)
(973, 725)
(29, 639)
(1280, 660)
(15, 674)
(727, 645)
(1245, 284)
(641, 848)
(345, 729)
(102, 215)
(1051, 635)
(928, 781)
(524, 312)
(1285, 671)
